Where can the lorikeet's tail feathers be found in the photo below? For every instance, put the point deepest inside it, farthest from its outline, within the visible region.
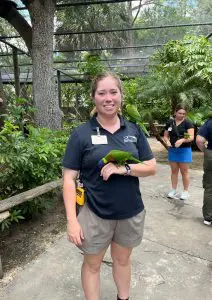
(102, 162)
(143, 127)
(135, 159)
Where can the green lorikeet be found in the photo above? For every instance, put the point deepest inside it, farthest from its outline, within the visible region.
(133, 112)
(186, 135)
(135, 116)
(117, 156)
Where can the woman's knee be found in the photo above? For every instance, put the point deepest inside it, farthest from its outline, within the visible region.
(121, 259)
(184, 169)
(174, 168)
(93, 265)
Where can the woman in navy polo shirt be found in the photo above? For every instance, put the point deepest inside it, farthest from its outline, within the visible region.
(204, 142)
(113, 214)
(179, 133)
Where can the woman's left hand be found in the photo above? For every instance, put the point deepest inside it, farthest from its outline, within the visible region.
(179, 143)
(110, 169)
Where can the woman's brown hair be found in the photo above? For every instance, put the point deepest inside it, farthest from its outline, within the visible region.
(181, 106)
(101, 76)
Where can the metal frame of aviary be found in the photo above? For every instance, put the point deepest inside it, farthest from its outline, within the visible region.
(73, 77)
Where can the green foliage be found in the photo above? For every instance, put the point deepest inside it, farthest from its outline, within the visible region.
(131, 90)
(92, 17)
(19, 112)
(29, 162)
(90, 67)
(182, 74)
(27, 210)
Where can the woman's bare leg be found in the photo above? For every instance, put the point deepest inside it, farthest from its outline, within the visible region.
(185, 175)
(90, 275)
(174, 174)
(121, 269)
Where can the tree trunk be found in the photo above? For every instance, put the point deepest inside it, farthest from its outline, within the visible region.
(44, 82)
(174, 102)
(155, 132)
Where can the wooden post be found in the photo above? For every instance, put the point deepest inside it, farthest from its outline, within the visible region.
(3, 216)
(59, 88)
(16, 72)
(1, 270)
(77, 103)
(29, 195)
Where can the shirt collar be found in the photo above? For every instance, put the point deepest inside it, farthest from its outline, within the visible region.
(94, 122)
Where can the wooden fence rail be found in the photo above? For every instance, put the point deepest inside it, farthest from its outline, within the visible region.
(8, 203)
(29, 195)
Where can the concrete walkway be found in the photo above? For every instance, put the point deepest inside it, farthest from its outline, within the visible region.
(173, 262)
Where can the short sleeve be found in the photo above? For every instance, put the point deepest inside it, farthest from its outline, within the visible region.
(188, 125)
(168, 123)
(144, 150)
(73, 154)
(203, 131)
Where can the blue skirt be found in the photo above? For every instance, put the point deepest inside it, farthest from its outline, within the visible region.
(181, 155)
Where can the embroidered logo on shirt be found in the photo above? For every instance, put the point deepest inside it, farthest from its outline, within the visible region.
(130, 139)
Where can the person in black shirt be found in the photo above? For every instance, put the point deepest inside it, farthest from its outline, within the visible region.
(113, 214)
(204, 142)
(178, 134)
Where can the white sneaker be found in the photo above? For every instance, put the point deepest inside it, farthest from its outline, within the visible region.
(172, 194)
(207, 222)
(184, 195)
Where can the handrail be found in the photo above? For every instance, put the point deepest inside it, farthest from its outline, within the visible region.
(29, 195)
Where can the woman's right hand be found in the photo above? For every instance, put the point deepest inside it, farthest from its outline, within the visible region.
(169, 144)
(75, 234)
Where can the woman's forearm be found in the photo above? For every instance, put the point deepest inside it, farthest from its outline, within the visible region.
(69, 196)
(144, 169)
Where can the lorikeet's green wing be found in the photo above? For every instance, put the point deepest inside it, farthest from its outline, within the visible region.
(117, 156)
(133, 112)
(135, 116)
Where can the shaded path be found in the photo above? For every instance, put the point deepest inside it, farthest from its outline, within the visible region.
(173, 262)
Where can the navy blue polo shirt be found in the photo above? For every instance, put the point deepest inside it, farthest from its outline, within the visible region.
(206, 131)
(119, 197)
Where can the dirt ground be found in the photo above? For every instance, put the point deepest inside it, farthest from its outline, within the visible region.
(25, 241)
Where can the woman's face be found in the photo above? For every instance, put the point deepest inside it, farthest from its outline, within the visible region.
(107, 96)
(180, 114)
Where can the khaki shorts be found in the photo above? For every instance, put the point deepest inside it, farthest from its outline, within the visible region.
(99, 233)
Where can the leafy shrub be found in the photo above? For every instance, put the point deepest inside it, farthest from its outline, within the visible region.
(27, 162)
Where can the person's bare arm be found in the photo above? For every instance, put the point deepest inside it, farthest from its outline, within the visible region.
(143, 169)
(166, 138)
(75, 234)
(188, 140)
(200, 141)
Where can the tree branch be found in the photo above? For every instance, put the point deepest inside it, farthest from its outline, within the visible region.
(9, 12)
(139, 8)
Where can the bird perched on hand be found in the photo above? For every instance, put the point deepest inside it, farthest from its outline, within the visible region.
(135, 116)
(118, 157)
(186, 135)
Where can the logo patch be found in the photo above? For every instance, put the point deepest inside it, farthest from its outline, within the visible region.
(130, 139)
